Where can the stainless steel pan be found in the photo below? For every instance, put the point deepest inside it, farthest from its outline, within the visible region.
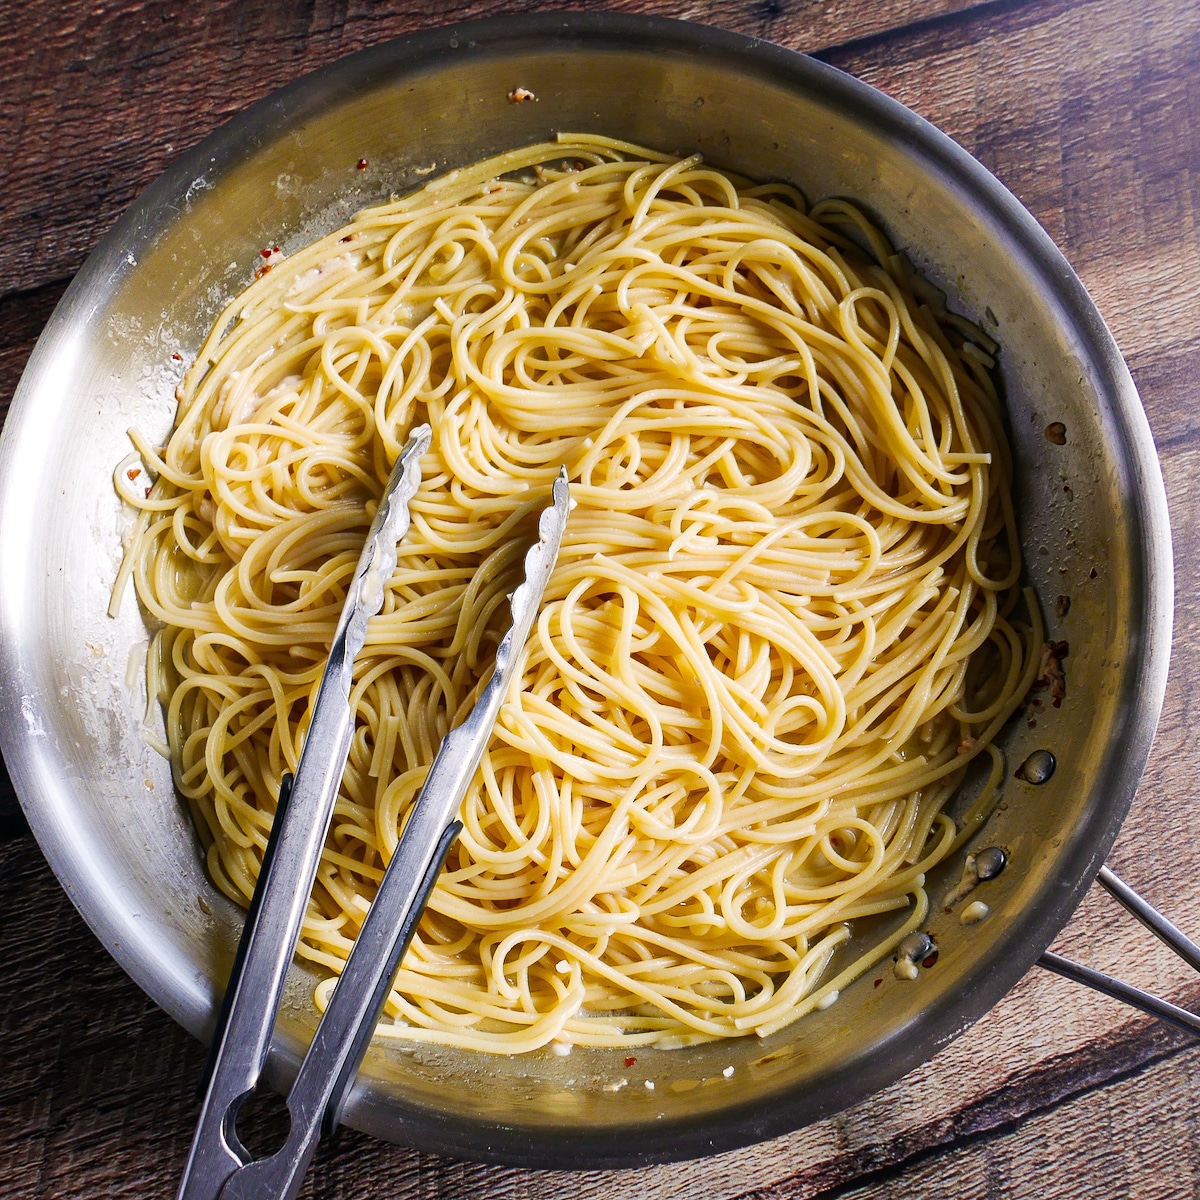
(1093, 517)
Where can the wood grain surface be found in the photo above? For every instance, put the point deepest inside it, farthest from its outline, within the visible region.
(1090, 113)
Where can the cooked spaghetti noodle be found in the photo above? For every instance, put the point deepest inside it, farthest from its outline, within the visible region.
(781, 626)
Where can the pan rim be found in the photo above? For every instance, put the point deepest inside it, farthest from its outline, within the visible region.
(183, 995)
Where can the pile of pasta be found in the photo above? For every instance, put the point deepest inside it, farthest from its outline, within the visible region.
(784, 620)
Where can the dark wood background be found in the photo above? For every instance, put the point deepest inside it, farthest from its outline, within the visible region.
(1090, 113)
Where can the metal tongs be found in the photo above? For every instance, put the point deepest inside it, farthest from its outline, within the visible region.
(219, 1167)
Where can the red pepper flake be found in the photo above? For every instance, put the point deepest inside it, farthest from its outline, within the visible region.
(177, 357)
(132, 473)
(1050, 672)
(878, 982)
(928, 962)
(148, 491)
(630, 1060)
(266, 253)
(262, 270)
(362, 164)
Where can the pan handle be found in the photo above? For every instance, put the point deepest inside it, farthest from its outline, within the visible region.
(1118, 989)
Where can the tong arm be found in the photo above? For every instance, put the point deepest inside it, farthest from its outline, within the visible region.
(272, 929)
(327, 1073)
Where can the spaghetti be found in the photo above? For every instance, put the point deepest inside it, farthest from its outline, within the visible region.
(781, 626)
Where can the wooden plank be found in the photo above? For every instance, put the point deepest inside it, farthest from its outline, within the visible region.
(102, 97)
(1095, 1145)
(22, 318)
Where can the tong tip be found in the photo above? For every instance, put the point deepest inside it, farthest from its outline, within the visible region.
(554, 516)
(418, 442)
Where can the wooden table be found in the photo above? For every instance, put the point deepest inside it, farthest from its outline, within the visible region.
(1090, 113)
